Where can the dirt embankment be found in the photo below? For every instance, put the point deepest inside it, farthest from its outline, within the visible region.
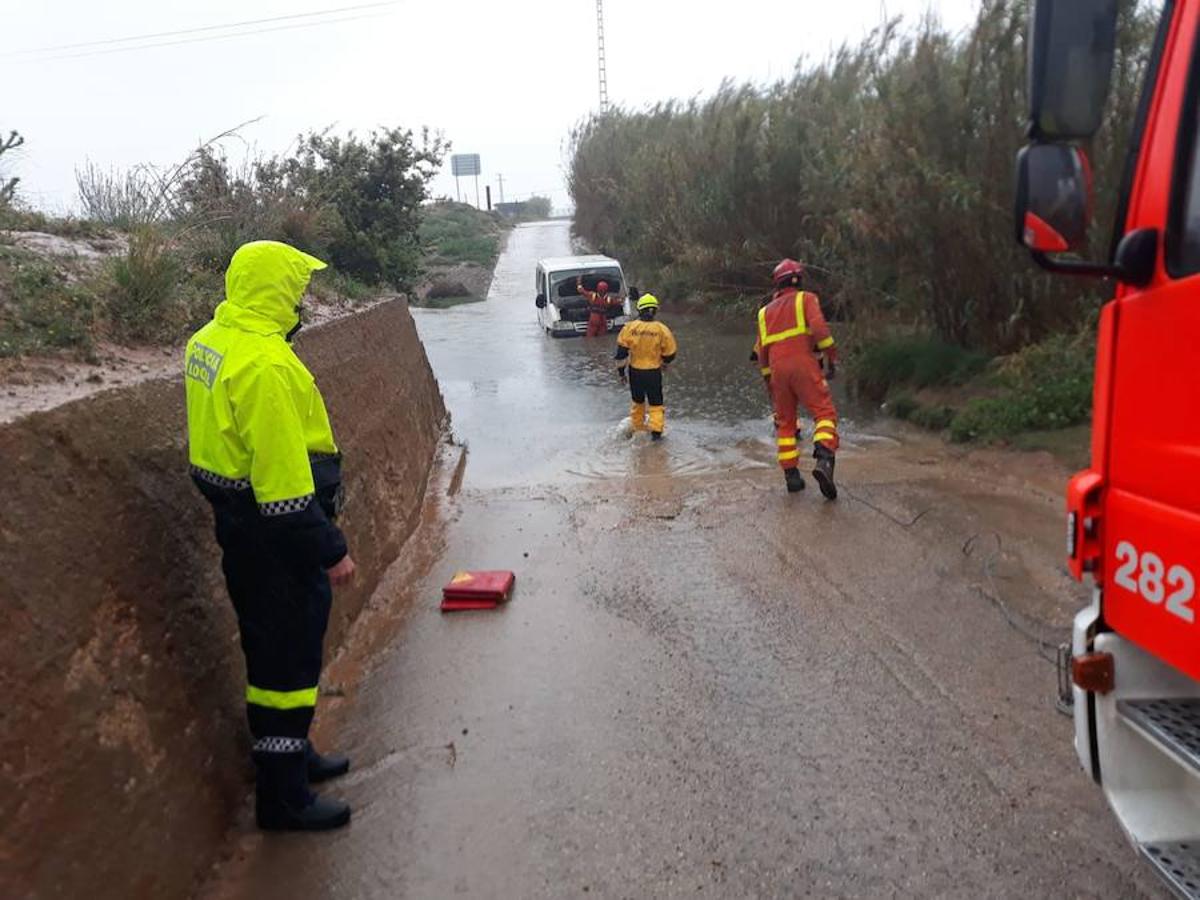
(122, 741)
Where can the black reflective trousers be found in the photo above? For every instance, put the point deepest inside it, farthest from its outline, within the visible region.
(646, 386)
(282, 599)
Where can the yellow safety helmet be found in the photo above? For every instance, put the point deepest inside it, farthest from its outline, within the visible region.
(647, 301)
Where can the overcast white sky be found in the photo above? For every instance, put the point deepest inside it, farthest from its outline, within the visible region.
(506, 80)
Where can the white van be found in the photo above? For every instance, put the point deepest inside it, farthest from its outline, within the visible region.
(562, 311)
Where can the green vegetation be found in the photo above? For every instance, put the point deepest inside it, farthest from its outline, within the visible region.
(453, 233)
(150, 296)
(538, 208)
(41, 308)
(15, 219)
(887, 168)
(355, 202)
(913, 362)
(143, 285)
(1044, 387)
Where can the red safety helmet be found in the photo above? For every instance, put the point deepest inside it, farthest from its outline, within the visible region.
(786, 270)
(602, 287)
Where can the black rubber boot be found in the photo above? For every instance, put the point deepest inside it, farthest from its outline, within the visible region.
(823, 472)
(656, 435)
(322, 768)
(795, 481)
(283, 801)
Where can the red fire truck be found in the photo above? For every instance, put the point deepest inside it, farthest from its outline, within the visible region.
(1133, 669)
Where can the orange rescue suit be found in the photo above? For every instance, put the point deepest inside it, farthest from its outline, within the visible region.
(598, 306)
(791, 332)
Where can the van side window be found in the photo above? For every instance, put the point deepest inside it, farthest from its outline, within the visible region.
(1183, 232)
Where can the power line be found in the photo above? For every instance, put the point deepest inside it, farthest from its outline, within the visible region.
(204, 28)
(206, 38)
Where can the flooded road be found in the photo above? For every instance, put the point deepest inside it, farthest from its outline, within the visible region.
(539, 410)
(702, 686)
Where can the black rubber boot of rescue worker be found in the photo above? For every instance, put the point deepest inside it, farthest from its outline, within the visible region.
(823, 472)
(656, 435)
(283, 801)
(795, 481)
(322, 768)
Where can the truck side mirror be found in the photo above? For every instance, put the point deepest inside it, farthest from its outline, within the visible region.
(541, 301)
(1072, 47)
(1054, 198)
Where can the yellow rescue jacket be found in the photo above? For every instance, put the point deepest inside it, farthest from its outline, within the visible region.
(650, 344)
(254, 412)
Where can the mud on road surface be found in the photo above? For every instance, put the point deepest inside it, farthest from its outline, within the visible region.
(703, 685)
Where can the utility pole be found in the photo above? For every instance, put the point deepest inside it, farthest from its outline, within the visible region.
(600, 61)
(500, 178)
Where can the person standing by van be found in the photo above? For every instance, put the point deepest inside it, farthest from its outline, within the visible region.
(599, 301)
(646, 347)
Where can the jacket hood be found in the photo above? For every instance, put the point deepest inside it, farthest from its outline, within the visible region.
(263, 286)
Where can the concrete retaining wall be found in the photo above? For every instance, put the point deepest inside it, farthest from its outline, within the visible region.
(122, 736)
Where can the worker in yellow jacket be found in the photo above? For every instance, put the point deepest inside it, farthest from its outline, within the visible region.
(646, 347)
(262, 453)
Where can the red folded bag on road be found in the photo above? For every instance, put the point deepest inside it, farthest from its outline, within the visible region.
(477, 590)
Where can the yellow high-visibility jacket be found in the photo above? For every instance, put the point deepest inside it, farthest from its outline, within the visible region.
(649, 344)
(255, 416)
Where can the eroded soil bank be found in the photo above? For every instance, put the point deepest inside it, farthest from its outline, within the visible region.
(122, 731)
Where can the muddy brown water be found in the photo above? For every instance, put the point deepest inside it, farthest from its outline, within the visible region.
(702, 686)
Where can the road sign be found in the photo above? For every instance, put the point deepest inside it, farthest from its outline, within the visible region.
(465, 164)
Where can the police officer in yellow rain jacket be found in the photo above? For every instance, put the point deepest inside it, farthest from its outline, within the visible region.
(262, 452)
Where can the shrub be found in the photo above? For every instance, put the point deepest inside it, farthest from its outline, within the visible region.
(903, 406)
(1047, 386)
(354, 203)
(935, 418)
(41, 308)
(887, 167)
(332, 284)
(915, 362)
(123, 200)
(143, 285)
(373, 188)
(538, 207)
(452, 233)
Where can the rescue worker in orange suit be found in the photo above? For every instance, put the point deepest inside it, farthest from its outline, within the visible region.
(797, 354)
(599, 303)
(262, 453)
(646, 347)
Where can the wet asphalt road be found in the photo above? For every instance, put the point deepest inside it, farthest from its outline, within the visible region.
(702, 686)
